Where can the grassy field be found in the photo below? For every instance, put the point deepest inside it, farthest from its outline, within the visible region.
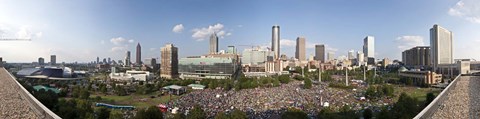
(416, 92)
(139, 101)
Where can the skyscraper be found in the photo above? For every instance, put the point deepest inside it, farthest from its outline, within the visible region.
(418, 56)
(360, 58)
(351, 55)
(98, 60)
(169, 61)
(441, 46)
(53, 59)
(300, 49)
(214, 44)
(127, 59)
(41, 61)
(138, 59)
(330, 56)
(320, 53)
(369, 46)
(276, 41)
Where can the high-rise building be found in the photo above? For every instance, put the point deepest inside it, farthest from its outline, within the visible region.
(53, 59)
(255, 56)
(418, 56)
(127, 59)
(369, 46)
(320, 53)
(104, 61)
(138, 59)
(169, 61)
(441, 46)
(1, 62)
(41, 61)
(360, 58)
(98, 60)
(109, 61)
(351, 55)
(330, 56)
(214, 44)
(276, 41)
(231, 50)
(300, 49)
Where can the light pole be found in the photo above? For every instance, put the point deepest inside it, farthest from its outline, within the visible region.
(346, 75)
(303, 75)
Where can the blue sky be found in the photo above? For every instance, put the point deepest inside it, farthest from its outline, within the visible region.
(81, 30)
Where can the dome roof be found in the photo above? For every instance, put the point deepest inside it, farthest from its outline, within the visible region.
(402, 69)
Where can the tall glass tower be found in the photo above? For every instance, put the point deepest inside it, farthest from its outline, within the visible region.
(276, 41)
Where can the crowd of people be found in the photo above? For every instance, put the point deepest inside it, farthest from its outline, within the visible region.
(267, 102)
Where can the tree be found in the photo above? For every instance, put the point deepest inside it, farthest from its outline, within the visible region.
(178, 116)
(292, 113)
(275, 83)
(102, 113)
(430, 98)
(238, 114)
(84, 94)
(406, 107)
(307, 83)
(151, 112)
(284, 78)
(367, 113)
(197, 113)
(221, 115)
(370, 92)
(116, 115)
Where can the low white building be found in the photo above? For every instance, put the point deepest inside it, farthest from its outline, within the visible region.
(132, 76)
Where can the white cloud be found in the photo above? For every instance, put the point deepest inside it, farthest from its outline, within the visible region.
(287, 43)
(178, 28)
(466, 9)
(407, 42)
(120, 41)
(118, 49)
(24, 33)
(117, 41)
(201, 34)
(102, 42)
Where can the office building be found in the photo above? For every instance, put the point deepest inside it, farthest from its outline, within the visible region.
(53, 59)
(231, 50)
(127, 59)
(98, 60)
(169, 62)
(421, 78)
(255, 56)
(214, 44)
(138, 59)
(300, 49)
(441, 46)
(417, 57)
(330, 56)
(351, 55)
(320, 53)
(276, 41)
(369, 47)
(202, 67)
(41, 61)
(360, 58)
(1, 62)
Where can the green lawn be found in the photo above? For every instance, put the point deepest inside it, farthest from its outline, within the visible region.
(416, 92)
(140, 101)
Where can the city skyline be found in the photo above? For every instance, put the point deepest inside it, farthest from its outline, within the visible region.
(73, 38)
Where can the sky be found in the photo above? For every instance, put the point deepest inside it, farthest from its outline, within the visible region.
(81, 30)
